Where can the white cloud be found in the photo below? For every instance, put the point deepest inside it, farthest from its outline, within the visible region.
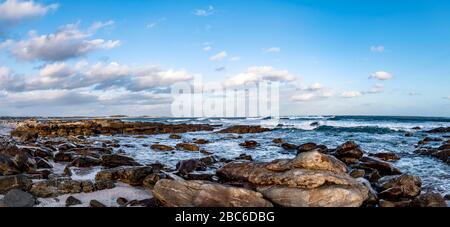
(155, 23)
(350, 94)
(68, 42)
(219, 57)
(381, 75)
(204, 12)
(207, 48)
(17, 10)
(259, 73)
(376, 89)
(303, 97)
(377, 49)
(235, 58)
(312, 87)
(272, 50)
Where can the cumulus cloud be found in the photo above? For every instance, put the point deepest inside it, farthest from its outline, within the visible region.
(204, 12)
(377, 49)
(67, 42)
(303, 97)
(272, 50)
(316, 91)
(350, 94)
(13, 11)
(381, 75)
(312, 87)
(219, 57)
(259, 73)
(48, 98)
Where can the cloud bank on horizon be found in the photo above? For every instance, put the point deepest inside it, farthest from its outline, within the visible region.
(353, 58)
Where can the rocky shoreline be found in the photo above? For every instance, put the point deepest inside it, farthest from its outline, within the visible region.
(40, 164)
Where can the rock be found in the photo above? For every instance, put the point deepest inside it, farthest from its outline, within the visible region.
(349, 150)
(86, 161)
(43, 164)
(8, 166)
(187, 166)
(409, 134)
(288, 146)
(187, 147)
(43, 189)
(25, 136)
(402, 203)
(386, 156)
(326, 196)
(130, 175)
(175, 137)
(313, 160)
(159, 147)
(71, 201)
(306, 147)
(357, 173)
(122, 201)
(96, 204)
(245, 129)
(278, 141)
(201, 141)
(399, 186)
(8, 183)
(19, 198)
(245, 157)
(172, 193)
(152, 179)
(116, 160)
(440, 130)
(249, 144)
(103, 184)
(384, 168)
(417, 128)
(429, 199)
(65, 156)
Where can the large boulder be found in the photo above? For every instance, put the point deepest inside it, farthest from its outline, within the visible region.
(173, 193)
(19, 198)
(86, 161)
(130, 175)
(8, 166)
(116, 160)
(14, 182)
(244, 129)
(429, 199)
(384, 168)
(399, 186)
(349, 150)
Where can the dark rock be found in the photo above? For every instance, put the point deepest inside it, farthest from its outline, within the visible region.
(103, 184)
(429, 199)
(245, 157)
(86, 161)
(96, 204)
(65, 156)
(306, 147)
(278, 141)
(71, 201)
(201, 141)
(187, 166)
(440, 130)
(384, 168)
(249, 144)
(357, 173)
(116, 160)
(400, 186)
(19, 198)
(386, 156)
(417, 128)
(43, 164)
(175, 137)
(402, 203)
(288, 146)
(121, 201)
(152, 179)
(188, 147)
(25, 136)
(245, 129)
(130, 175)
(159, 147)
(409, 134)
(8, 166)
(349, 150)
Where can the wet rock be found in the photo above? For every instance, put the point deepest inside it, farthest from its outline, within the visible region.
(116, 160)
(245, 157)
(399, 186)
(19, 198)
(72, 201)
(409, 134)
(96, 204)
(306, 147)
(43, 164)
(130, 175)
(175, 137)
(386, 156)
(44, 189)
(288, 146)
(201, 141)
(384, 168)
(25, 136)
(159, 147)
(245, 129)
(122, 201)
(187, 166)
(440, 130)
(447, 197)
(357, 173)
(152, 179)
(8, 166)
(278, 141)
(103, 184)
(349, 150)
(25, 163)
(387, 203)
(429, 199)
(188, 147)
(202, 177)
(14, 182)
(417, 128)
(86, 161)
(65, 156)
(172, 193)
(249, 144)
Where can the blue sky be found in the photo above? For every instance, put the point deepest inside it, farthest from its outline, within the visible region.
(332, 57)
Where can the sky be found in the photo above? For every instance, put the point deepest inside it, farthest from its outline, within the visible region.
(100, 58)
